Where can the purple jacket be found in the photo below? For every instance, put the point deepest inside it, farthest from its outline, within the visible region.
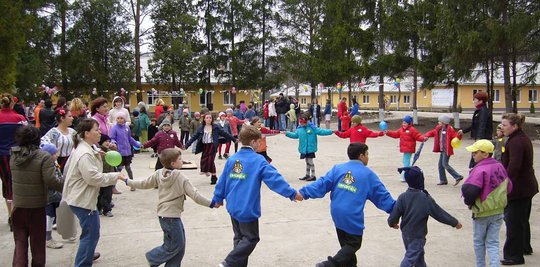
(121, 136)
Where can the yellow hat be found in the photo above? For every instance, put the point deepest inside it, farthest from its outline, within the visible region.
(481, 145)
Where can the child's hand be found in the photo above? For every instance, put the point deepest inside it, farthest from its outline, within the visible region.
(458, 226)
(395, 226)
(217, 205)
(381, 133)
(426, 138)
(460, 132)
(113, 146)
(121, 176)
(298, 197)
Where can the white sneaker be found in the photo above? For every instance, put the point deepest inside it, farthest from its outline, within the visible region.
(402, 179)
(53, 244)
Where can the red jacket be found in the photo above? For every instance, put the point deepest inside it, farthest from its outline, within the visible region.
(345, 121)
(450, 134)
(341, 108)
(407, 138)
(265, 111)
(358, 133)
(164, 140)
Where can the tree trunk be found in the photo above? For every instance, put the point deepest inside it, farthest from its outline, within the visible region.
(454, 105)
(415, 83)
(63, 56)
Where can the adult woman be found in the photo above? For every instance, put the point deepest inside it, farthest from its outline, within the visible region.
(327, 114)
(99, 110)
(482, 122)
(159, 107)
(518, 161)
(78, 111)
(33, 172)
(315, 112)
(9, 122)
(207, 142)
(272, 114)
(84, 177)
(61, 136)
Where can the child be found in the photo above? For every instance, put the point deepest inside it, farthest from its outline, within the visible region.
(307, 133)
(207, 142)
(444, 133)
(345, 121)
(121, 136)
(234, 121)
(408, 135)
(183, 123)
(485, 193)
(350, 182)
(53, 198)
(499, 141)
(143, 124)
(414, 206)
(358, 132)
(256, 121)
(152, 131)
(172, 190)
(165, 138)
(227, 128)
(104, 204)
(291, 114)
(240, 185)
(118, 106)
(193, 126)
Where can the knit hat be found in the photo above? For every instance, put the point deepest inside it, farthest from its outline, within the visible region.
(221, 114)
(49, 148)
(197, 114)
(103, 139)
(185, 110)
(444, 119)
(413, 176)
(229, 110)
(356, 119)
(135, 113)
(165, 122)
(121, 114)
(408, 119)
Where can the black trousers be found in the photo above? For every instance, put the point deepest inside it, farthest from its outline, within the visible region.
(346, 256)
(246, 237)
(518, 229)
(105, 199)
(184, 137)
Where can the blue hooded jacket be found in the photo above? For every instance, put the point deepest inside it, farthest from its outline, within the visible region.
(307, 136)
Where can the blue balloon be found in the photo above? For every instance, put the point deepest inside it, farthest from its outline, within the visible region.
(383, 126)
(396, 83)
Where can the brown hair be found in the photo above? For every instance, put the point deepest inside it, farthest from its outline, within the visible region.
(60, 114)
(248, 134)
(208, 114)
(27, 136)
(6, 100)
(168, 156)
(61, 102)
(515, 118)
(84, 126)
(254, 120)
(483, 96)
(356, 149)
(96, 103)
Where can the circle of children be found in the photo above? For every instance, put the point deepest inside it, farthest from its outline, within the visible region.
(32, 163)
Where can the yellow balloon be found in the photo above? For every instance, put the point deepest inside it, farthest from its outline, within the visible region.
(456, 142)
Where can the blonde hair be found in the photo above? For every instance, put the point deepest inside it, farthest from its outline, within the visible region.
(515, 118)
(6, 100)
(160, 102)
(76, 106)
(248, 134)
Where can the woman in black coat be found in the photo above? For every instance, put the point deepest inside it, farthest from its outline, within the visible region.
(482, 121)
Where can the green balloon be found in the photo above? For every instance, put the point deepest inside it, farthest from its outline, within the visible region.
(113, 158)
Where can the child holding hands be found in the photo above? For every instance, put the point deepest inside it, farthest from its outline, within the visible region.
(408, 136)
(172, 189)
(358, 132)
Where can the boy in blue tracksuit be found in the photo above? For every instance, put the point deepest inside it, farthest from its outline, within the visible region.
(306, 133)
(240, 185)
(351, 184)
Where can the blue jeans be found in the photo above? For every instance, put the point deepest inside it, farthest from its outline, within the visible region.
(445, 166)
(174, 244)
(282, 122)
(486, 238)
(414, 252)
(89, 221)
(193, 147)
(292, 126)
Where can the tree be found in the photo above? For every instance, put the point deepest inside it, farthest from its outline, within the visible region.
(139, 10)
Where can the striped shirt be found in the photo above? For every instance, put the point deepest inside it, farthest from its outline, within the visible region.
(207, 137)
(63, 142)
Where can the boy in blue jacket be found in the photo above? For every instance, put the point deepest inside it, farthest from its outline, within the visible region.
(350, 182)
(240, 185)
(307, 133)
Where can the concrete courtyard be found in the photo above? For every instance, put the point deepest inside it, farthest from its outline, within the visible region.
(292, 234)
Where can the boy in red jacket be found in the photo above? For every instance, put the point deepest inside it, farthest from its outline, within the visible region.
(358, 132)
(408, 135)
(444, 133)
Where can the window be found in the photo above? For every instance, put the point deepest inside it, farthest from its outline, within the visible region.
(151, 98)
(206, 99)
(424, 93)
(533, 96)
(303, 100)
(406, 99)
(518, 95)
(496, 96)
(229, 98)
(365, 99)
(393, 99)
(474, 91)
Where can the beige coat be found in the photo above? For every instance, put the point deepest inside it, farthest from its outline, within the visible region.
(84, 177)
(172, 190)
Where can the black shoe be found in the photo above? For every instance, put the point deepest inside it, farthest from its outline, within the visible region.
(10, 224)
(304, 178)
(458, 181)
(512, 262)
(213, 180)
(527, 252)
(96, 256)
(220, 157)
(312, 178)
(442, 183)
(226, 155)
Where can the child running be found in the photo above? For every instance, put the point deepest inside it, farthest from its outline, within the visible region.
(358, 132)
(414, 207)
(256, 121)
(121, 136)
(485, 193)
(306, 133)
(351, 184)
(408, 136)
(166, 138)
(240, 185)
(444, 133)
(172, 190)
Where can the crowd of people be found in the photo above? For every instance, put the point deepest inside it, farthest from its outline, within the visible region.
(53, 171)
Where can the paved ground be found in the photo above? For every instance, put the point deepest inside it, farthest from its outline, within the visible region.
(292, 234)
